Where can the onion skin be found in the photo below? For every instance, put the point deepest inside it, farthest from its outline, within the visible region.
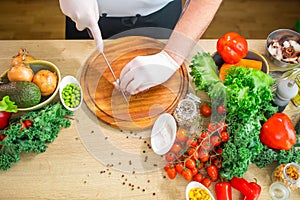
(22, 56)
(46, 81)
(20, 72)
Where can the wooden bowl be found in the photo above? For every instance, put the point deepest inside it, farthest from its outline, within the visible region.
(37, 65)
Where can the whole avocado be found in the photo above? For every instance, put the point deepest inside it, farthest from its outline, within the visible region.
(24, 93)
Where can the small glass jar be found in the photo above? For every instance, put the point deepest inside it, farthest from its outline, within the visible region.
(186, 112)
(286, 178)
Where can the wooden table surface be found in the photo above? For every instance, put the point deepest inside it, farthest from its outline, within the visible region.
(91, 160)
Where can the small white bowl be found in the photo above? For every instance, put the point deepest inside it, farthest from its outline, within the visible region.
(163, 134)
(64, 82)
(195, 184)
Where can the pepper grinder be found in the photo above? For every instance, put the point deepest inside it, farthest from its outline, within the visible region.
(286, 90)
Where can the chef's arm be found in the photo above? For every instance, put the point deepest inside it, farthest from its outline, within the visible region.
(193, 23)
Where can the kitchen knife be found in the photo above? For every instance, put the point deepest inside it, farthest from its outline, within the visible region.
(110, 68)
(113, 74)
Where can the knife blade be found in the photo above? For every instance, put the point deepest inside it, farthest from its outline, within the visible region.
(114, 76)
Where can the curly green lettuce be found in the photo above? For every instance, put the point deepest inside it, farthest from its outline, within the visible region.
(47, 123)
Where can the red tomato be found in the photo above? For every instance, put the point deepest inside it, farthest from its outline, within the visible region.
(179, 167)
(170, 157)
(182, 135)
(198, 177)
(218, 163)
(168, 166)
(206, 182)
(206, 144)
(172, 173)
(224, 136)
(194, 153)
(221, 109)
(26, 124)
(205, 110)
(190, 163)
(176, 148)
(203, 155)
(221, 126)
(192, 142)
(215, 140)
(194, 171)
(187, 174)
(212, 172)
(211, 127)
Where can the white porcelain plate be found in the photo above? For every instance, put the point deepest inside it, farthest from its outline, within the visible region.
(163, 134)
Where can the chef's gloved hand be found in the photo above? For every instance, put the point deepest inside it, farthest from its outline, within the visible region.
(85, 14)
(144, 72)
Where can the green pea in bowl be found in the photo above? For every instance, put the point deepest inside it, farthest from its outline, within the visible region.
(70, 93)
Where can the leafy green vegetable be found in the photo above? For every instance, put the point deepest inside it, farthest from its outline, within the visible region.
(7, 105)
(248, 104)
(204, 72)
(47, 123)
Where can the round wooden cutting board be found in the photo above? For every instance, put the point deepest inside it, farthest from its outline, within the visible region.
(107, 102)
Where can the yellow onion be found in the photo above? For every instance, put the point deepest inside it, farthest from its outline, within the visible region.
(46, 81)
(22, 56)
(20, 72)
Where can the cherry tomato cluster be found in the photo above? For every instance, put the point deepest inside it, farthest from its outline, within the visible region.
(197, 156)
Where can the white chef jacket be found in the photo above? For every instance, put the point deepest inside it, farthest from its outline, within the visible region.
(125, 8)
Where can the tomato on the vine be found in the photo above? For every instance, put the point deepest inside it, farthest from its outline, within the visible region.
(190, 163)
(176, 148)
(168, 166)
(215, 140)
(221, 126)
(224, 136)
(172, 173)
(179, 167)
(203, 155)
(170, 157)
(187, 174)
(194, 171)
(221, 109)
(193, 153)
(182, 135)
(218, 163)
(192, 142)
(198, 177)
(205, 110)
(206, 182)
(212, 172)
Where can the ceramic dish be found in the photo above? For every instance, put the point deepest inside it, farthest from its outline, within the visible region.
(281, 36)
(37, 65)
(64, 82)
(195, 184)
(163, 134)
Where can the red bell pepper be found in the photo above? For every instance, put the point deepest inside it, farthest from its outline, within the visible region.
(256, 189)
(232, 47)
(223, 191)
(241, 185)
(251, 191)
(278, 132)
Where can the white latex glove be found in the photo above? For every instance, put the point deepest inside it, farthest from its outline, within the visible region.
(85, 13)
(144, 72)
